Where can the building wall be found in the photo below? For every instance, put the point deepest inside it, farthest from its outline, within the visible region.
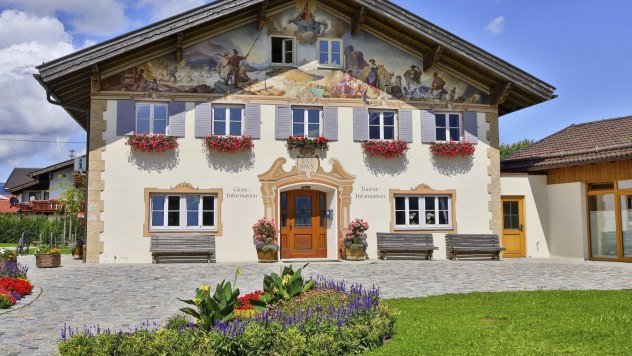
(567, 216)
(536, 204)
(123, 175)
(59, 181)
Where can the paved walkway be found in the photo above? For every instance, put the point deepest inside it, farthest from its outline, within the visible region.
(123, 296)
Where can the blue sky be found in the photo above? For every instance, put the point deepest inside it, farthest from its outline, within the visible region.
(583, 48)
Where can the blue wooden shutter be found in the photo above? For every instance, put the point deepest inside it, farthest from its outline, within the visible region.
(125, 117)
(203, 119)
(253, 120)
(177, 113)
(330, 123)
(360, 124)
(428, 127)
(283, 122)
(470, 124)
(406, 125)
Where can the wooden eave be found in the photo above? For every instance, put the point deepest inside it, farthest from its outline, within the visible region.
(68, 78)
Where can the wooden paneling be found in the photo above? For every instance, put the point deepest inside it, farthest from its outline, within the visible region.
(592, 172)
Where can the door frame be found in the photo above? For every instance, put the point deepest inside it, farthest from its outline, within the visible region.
(333, 231)
(617, 213)
(521, 217)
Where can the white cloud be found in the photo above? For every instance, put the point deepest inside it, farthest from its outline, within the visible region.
(94, 17)
(496, 26)
(24, 111)
(162, 9)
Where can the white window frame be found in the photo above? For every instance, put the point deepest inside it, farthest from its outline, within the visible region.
(182, 209)
(285, 39)
(227, 127)
(306, 120)
(422, 213)
(152, 106)
(395, 124)
(330, 53)
(448, 127)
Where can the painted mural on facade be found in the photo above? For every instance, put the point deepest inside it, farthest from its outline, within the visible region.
(240, 62)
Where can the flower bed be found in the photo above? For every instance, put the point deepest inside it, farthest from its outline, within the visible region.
(293, 317)
(152, 143)
(385, 148)
(228, 144)
(13, 284)
(8, 255)
(298, 142)
(452, 149)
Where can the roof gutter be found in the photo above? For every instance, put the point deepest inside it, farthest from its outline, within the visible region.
(52, 98)
(562, 154)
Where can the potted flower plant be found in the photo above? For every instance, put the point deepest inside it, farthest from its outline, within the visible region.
(385, 148)
(77, 251)
(452, 149)
(355, 240)
(47, 257)
(228, 144)
(152, 143)
(7, 256)
(264, 238)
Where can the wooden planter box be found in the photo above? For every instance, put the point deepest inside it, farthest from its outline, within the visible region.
(267, 256)
(355, 254)
(48, 261)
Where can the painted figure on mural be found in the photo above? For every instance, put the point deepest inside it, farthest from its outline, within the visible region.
(413, 81)
(172, 73)
(223, 66)
(436, 86)
(139, 81)
(306, 22)
(235, 64)
(372, 78)
(354, 60)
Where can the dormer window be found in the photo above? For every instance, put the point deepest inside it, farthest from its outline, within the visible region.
(330, 53)
(283, 51)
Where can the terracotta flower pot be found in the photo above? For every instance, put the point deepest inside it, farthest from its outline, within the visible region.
(267, 256)
(77, 253)
(355, 254)
(48, 261)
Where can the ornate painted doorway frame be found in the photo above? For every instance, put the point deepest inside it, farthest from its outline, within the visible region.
(308, 170)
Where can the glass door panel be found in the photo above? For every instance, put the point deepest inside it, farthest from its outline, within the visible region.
(603, 225)
(303, 211)
(626, 224)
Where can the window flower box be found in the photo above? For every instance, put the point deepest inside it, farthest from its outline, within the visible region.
(452, 149)
(228, 144)
(152, 143)
(385, 148)
(299, 142)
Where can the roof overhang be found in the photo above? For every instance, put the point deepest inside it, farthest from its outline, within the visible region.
(69, 79)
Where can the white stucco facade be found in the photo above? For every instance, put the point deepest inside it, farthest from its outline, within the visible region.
(128, 173)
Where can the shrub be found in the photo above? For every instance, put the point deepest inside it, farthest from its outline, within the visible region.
(13, 225)
(385, 148)
(177, 322)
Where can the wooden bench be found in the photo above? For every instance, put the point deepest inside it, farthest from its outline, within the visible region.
(182, 248)
(473, 245)
(405, 246)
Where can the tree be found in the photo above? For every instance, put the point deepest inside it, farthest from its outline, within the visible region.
(507, 150)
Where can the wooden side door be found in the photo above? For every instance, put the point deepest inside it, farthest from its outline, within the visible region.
(305, 233)
(513, 227)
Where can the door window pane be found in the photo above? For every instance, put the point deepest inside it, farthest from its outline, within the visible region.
(603, 227)
(303, 211)
(283, 209)
(626, 224)
(511, 215)
(625, 184)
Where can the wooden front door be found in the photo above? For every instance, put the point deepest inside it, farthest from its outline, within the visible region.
(303, 224)
(513, 227)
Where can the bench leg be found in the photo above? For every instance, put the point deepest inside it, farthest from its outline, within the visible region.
(429, 256)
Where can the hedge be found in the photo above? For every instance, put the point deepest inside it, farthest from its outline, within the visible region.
(13, 225)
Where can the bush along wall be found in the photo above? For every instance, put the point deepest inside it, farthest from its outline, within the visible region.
(13, 225)
(295, 317)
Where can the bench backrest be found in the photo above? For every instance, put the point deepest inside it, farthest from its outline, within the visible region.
(393, 240)
(472, 240)
(185, 243)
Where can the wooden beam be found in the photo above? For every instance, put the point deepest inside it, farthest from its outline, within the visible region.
(179, 46)
(358, 21)
(499, 93)
(431, 58)
(263, 10)
(96, 79)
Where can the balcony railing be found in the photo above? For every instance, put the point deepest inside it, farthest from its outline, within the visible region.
(41, 207)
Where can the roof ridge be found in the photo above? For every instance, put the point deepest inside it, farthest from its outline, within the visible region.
(602, 120)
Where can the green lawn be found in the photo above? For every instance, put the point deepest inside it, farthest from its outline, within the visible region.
(64, 251)
(523, 323)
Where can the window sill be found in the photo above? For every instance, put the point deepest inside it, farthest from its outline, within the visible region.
(284, 65)
(322, 66)
(183, 232)
(413, 230)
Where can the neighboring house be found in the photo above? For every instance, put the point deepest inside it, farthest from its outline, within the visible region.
(5, 204)
(348, 71)
(37, 188)
(571, 194)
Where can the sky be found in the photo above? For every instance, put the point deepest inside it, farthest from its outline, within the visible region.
(581, 47)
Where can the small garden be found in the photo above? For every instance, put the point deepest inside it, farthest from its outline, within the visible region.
(14, 284)
(291, 315)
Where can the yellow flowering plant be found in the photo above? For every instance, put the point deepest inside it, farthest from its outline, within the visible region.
(209, 310)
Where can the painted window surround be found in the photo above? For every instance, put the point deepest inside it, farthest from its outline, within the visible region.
(423, 189)
(184, 189)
